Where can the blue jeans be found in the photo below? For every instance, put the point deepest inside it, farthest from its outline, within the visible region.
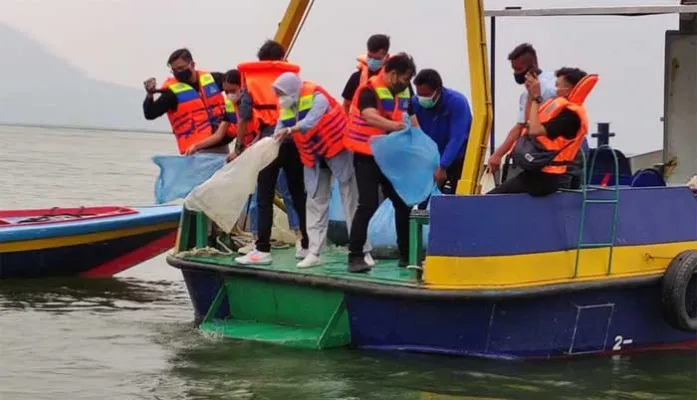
(282, 185)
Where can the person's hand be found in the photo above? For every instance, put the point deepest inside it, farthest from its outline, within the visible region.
(231, 156)
(150, 85)
(281, 134)
(440, 176)
(533, 85)
(399, 126)
(191, 150)
(494, 163)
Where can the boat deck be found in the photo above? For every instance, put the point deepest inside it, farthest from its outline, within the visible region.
(385, 272)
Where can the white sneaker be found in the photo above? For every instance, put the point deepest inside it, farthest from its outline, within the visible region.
(255, 258)
(248, 248)
(310, 261)
(300, 253)
(369, 260)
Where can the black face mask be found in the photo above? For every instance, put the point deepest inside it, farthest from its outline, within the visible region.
(399, 87)
(183, 76)
(520, 78)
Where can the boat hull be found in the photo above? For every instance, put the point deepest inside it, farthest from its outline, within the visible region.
(96, 247)
(619, 318)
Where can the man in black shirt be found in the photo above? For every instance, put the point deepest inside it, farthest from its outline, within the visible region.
(184, 70)
(398, 72)
(567, 124)
(378, 46)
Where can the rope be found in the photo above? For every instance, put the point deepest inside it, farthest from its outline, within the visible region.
(300, 27)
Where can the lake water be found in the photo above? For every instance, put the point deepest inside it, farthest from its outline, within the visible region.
(133, 337)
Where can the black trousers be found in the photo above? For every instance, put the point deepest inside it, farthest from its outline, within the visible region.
(369, 178)
(289, 160)
(535, 183)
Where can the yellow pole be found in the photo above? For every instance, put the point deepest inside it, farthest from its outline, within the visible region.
(481, 98)
(288, 26)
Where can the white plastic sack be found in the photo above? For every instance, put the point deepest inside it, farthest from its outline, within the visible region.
(223, 196)
(487, 182)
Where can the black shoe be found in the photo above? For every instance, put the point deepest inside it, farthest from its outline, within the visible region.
(357, 264)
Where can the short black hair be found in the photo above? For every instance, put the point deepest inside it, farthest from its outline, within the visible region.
(429, 77)
(271, 51)
(521, 50)
(402, 63)
(378, 42)
(572, 75)
(233, 77)
(182, 53)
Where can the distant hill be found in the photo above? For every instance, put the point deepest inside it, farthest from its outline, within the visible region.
(41, 89)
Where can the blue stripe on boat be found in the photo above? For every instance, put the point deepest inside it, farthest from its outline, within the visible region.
(145, 216)
(472, 226)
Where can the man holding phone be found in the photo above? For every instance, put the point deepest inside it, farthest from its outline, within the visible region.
(523, 60)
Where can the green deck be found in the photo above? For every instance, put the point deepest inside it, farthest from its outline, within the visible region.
(287, 314)
(385, 272)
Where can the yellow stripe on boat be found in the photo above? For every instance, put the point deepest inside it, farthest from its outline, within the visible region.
(530, 270)
(49, 243)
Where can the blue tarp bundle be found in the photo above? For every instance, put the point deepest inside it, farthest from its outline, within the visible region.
(382, 232)
(408, 158)
(179, 175)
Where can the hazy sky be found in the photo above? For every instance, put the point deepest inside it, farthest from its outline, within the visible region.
(126, 41)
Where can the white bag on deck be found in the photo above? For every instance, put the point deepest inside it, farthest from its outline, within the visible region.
(223, 196)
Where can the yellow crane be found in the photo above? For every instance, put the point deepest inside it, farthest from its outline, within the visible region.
(481, 98)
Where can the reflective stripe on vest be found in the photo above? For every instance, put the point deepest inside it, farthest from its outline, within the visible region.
(198, 113)
(325, 139)
(359, 131)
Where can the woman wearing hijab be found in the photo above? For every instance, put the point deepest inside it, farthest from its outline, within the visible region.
(317, 123)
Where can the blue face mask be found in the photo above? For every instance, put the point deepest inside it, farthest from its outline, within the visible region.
(374, 64)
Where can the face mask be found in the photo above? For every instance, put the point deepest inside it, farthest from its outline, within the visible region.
(399, 87)
(374, 64)
(427, 102)
(286, 101)
(183, 76)
(233, 97)
(519, 78)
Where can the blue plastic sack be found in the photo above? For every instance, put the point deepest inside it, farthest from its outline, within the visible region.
(336, 207)
(179, 175)
(382, 232)
(408, 158)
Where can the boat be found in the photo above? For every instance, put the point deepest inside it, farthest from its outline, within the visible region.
(608, 269)
(94, 242)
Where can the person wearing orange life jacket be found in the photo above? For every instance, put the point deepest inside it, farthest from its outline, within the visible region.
(369, 64)
(553, 135)
(317, 124)
(227, 131)
(192, 100)
(380, 107)
(257, 79)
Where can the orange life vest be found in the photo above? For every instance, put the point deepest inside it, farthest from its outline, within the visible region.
(552, 108)
(365, 71)
(392, 107)
(326, 138)
(198, 113)
(258, 78)
(233, 115)
(363, 67)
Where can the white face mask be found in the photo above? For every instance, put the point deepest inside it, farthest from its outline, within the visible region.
(233, 96)
(286, 101)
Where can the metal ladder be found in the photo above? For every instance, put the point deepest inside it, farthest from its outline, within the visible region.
(586, 201)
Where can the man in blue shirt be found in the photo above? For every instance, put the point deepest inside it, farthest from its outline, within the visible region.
(444, 115)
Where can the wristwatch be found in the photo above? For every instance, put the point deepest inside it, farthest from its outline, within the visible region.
(538, 99)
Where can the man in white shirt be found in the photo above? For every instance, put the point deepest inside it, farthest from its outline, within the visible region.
(523, 60)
